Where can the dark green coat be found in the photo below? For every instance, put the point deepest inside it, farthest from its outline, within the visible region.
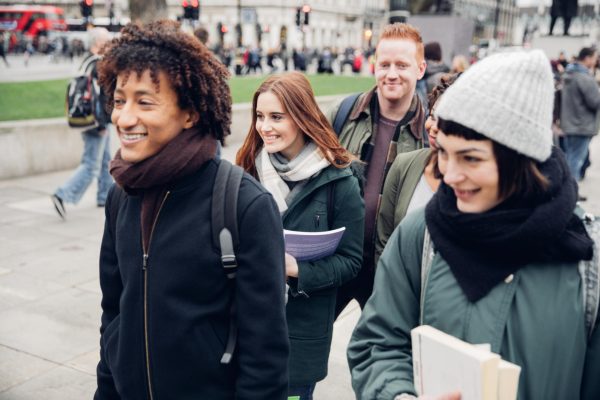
(310, 316)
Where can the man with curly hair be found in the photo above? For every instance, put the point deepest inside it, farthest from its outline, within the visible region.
(166, 300)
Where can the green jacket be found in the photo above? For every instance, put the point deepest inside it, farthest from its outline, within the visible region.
(359, 127)
(534, 320)
(310, 312)
(401, 182)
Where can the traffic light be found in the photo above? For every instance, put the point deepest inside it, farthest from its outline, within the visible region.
(221, 31)
(195, 10)
(298, 16)
(186, 9)
(306, 10)
(86, 7)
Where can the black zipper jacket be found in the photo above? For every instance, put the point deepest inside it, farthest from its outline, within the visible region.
(165, 319)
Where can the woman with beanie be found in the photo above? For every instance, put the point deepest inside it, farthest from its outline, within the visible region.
(506, 246)
(166, 300)
(293, 151)
(413, 178)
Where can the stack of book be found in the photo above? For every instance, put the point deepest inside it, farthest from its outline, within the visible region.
(443, 363)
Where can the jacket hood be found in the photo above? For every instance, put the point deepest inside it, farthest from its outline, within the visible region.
(576, 67)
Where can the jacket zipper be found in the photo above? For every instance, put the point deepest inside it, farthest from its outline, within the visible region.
(145, 271)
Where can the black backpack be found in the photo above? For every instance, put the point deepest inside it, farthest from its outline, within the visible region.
(82, 93)
(224, 231)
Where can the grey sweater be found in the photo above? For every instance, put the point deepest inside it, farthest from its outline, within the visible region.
(580, 102)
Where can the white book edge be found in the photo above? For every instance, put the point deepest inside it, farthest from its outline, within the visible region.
(508, 380)
(489, 361)
(321, 233)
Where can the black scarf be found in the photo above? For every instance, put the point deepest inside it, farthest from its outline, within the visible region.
(482, 249)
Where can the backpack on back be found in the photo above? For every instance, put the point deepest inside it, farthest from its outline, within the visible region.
(82, 92)
(224, 232)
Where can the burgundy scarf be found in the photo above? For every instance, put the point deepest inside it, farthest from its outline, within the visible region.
(150, 178)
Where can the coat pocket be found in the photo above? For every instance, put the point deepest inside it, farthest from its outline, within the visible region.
(310, 318)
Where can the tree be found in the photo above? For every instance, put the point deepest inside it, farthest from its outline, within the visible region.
(147, 10)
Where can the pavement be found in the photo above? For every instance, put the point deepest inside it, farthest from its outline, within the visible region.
(39, 67)
(50, 296)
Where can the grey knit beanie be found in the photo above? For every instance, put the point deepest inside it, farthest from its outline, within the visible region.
(507, 97)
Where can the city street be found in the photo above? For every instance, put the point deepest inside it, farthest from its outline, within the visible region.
(50, 296)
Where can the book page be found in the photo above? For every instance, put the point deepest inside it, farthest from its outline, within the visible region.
(310, 246)
(444, 364)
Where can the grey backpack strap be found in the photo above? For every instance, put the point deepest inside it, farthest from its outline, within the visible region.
(426, 259)
(225, 235)
(589, 271)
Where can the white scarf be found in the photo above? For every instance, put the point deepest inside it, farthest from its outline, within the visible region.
(309, 162)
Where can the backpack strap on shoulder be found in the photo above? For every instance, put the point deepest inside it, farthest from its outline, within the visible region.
(225, 235)
(426, 260)
(88, 62)
(343, 112)
(590, 272)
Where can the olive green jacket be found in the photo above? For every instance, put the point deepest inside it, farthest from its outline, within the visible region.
(310, 311)
(398, 190)
(361, 124)
(533, 319)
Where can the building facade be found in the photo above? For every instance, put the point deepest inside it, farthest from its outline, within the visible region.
(493, 19)
(269, 23)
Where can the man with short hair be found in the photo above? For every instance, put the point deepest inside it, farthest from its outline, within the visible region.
(580, 105)
(96, 144)
(383, 122)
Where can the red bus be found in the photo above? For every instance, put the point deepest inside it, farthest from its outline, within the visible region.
(29, 22)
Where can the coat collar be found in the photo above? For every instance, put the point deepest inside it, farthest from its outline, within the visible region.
(366, 106)
(326, 176)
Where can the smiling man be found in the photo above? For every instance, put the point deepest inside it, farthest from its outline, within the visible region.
(167, 304)
(383, 122)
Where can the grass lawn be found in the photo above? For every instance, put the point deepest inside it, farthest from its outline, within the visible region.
(45, 99)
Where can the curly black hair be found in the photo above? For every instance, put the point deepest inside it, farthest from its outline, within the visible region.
(197, 77)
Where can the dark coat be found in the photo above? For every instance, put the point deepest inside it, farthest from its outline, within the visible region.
(310, 317)
(564, 8)
(185, 296)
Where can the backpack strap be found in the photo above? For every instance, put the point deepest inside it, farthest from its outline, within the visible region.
(590, 271)
(426, 260)
(89, 61)
(343, 112)
(225, 235)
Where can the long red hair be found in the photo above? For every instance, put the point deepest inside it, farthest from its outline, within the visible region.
(298, 100)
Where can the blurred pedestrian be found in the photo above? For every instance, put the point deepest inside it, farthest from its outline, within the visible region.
(495, 255)
(567, 9)
(202, 35)
(580, 105)
(459, 64)
(295, 154)
(167, 303)
(3, 50)
(96, 144)
(29, 50)
(436, 67)
(378, 125)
